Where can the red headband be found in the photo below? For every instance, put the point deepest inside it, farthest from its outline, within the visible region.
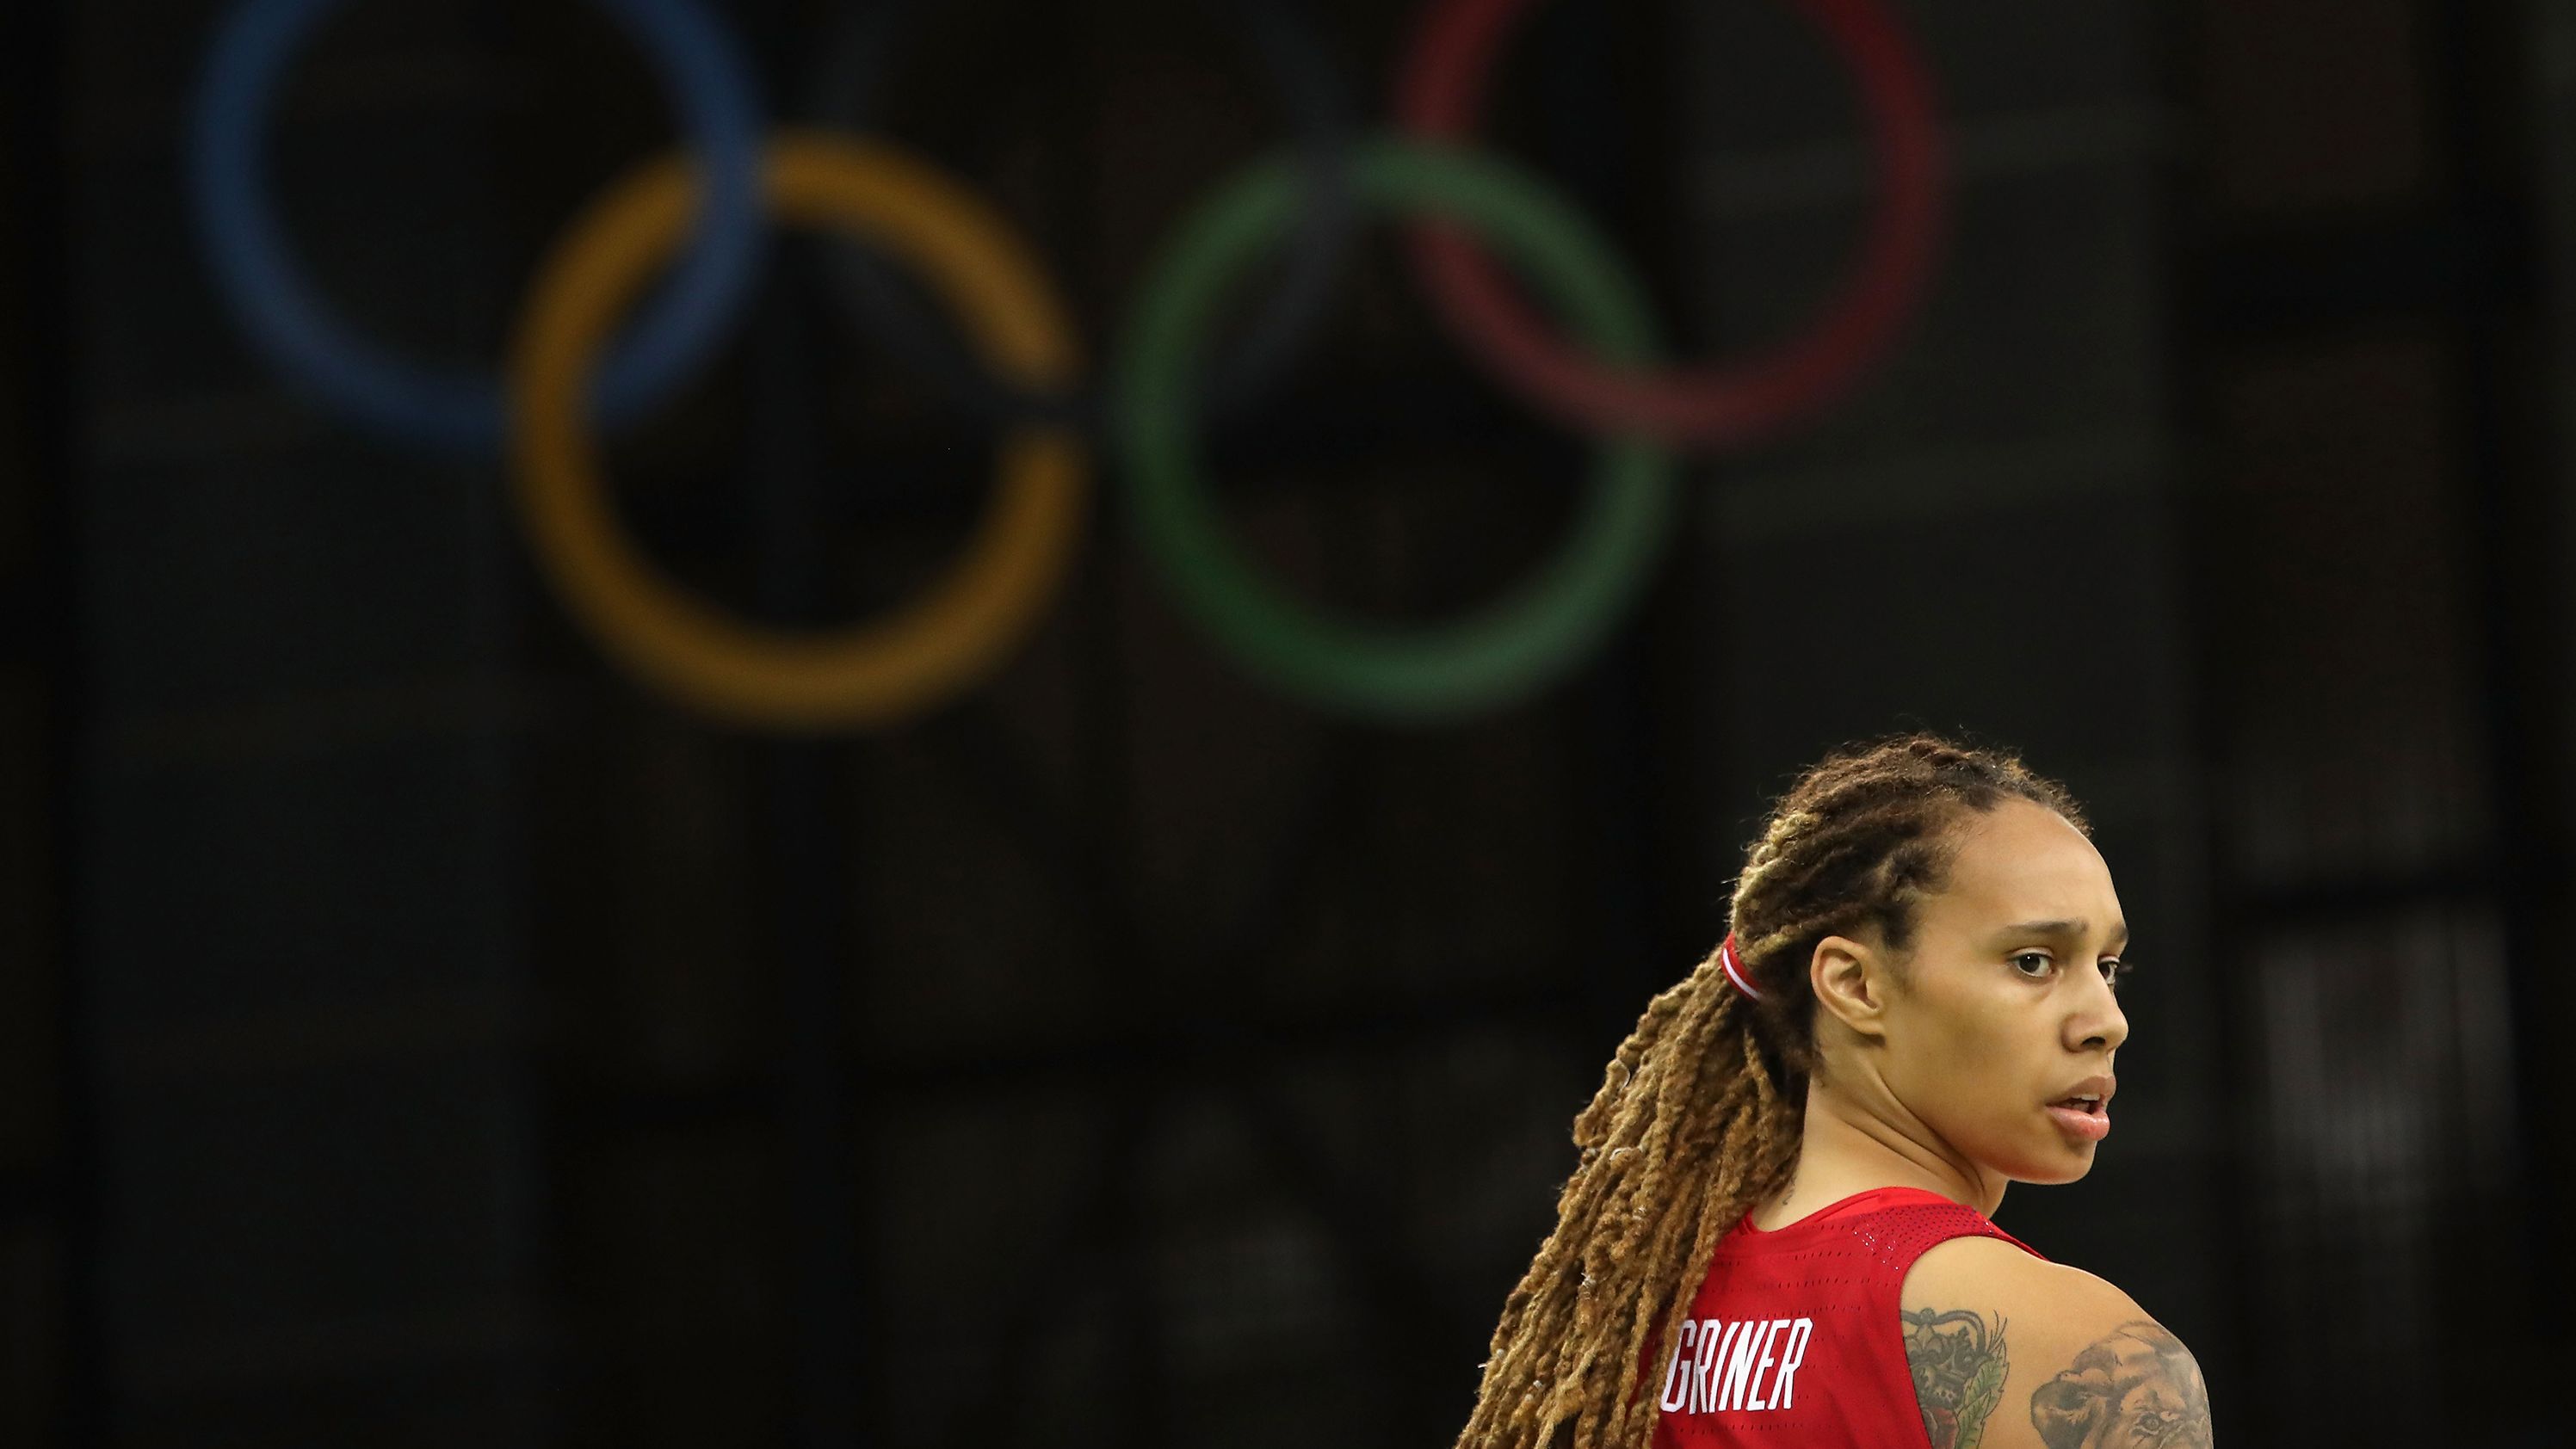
(1733, 965)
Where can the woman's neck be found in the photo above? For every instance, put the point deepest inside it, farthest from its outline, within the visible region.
(1844, 1149)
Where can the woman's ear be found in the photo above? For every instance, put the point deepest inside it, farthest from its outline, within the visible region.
(1850, 978)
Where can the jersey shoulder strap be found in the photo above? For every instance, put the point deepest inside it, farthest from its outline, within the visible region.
(1896, 1233)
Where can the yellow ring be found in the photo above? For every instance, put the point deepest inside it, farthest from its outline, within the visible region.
(869, 673)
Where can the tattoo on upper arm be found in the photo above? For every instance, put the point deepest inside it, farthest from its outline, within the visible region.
(1957, 1359)
(2138, 1389)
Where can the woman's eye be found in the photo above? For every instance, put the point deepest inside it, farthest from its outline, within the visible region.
(2046, 965)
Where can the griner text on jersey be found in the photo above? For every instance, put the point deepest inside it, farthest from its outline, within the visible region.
(1750, 1364)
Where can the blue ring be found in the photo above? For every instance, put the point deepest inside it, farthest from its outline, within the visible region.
(255, 269)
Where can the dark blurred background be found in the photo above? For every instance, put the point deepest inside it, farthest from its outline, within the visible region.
(416, 1030)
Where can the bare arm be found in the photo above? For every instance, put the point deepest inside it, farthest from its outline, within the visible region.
(2137, 1386)
(1958, 1361)
(2008, 1352)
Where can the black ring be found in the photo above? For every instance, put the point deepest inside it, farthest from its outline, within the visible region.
(845, 95)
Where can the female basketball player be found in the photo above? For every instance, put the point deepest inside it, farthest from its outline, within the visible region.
(1778, 1234)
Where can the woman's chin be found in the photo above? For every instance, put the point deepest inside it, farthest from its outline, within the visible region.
(2011, 1150)
(2064, 1163)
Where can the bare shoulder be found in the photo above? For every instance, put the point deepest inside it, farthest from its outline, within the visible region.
(2010, 1352)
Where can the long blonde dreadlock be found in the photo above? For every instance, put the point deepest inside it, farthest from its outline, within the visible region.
(1699, 1114)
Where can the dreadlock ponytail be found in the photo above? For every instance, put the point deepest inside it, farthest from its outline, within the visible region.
(1700, 1112)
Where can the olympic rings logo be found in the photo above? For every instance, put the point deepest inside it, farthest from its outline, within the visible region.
(709, 207)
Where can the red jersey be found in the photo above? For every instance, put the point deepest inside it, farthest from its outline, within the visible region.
(1793, 1339)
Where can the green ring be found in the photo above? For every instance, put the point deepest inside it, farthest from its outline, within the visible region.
(1496, 653)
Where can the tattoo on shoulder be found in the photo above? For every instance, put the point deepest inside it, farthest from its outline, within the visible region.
(2139, 1387)
(1957, 1358)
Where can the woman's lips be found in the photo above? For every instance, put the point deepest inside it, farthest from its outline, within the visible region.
(2092, 1126)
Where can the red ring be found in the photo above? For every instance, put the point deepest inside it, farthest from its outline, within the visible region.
(1731, 961)
(1439, 99)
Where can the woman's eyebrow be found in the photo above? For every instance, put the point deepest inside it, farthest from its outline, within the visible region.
(2064, 929)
